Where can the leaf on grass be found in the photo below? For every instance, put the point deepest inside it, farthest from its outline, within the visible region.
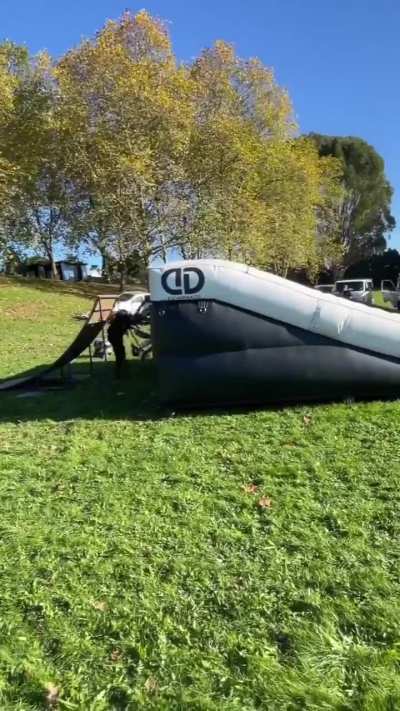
(116, 655)
(52, 695)
(151, 685)
(307, 419)
(250, 488)
(100, 605)
(265, 502)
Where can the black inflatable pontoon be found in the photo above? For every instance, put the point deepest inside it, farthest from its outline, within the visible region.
(225, 333)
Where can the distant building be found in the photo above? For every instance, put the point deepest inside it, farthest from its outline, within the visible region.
(72, 271)
(68, 270)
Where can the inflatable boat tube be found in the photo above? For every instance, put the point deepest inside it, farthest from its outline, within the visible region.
(224, 333)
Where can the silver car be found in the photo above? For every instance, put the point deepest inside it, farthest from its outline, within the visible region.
(361, 290)
(130, 301)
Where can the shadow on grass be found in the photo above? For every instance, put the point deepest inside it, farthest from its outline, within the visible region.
(98, 395)
(87, 395)
(79, 288)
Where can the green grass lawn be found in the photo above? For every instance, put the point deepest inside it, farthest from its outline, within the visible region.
(36, 320)
(380, 301)
(233, 561)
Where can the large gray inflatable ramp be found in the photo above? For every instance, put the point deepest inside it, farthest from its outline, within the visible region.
(94, 324)
(224, 333)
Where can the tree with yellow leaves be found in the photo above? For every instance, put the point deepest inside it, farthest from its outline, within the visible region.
(126, 108)
(12, 58)
(122, 149)
(256, 193)
(296, 191)
(238, 107)
(31, 141)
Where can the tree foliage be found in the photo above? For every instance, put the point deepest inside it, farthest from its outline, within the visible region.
(255, 192)
(126, 109)
(31, 141)
(364, 216)
(119, 148)
(376, 266)
(9, 56)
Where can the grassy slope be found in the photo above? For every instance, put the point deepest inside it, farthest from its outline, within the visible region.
(141, 566)
(36, 321)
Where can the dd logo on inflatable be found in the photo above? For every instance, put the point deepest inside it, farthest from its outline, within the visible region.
(182, 282)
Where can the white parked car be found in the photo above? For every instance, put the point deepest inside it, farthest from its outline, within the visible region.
(130, 301)
(356, 289)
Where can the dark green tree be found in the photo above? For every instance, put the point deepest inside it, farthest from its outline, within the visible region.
(364, 214)
(377, 267)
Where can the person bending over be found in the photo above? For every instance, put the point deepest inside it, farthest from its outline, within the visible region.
(122, 322)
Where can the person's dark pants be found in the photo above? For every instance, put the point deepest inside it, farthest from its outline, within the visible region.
(116, 332)
(119, 326)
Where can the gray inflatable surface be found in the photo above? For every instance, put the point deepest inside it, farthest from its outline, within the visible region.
(226, 333)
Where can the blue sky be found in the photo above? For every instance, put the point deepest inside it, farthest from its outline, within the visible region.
(339, 59)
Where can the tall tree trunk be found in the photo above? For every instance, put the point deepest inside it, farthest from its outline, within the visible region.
(163, 251)
(106, 265)
(122, 276)
(50, 256)
(54, 271)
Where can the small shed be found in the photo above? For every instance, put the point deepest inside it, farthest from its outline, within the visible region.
(71, 270)
(68, 269)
